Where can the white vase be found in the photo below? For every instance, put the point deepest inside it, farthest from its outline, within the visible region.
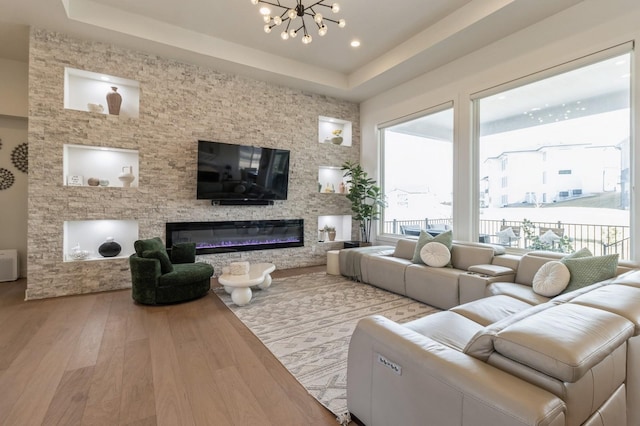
(126, 177)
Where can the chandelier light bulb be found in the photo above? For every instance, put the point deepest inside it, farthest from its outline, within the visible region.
(335, 8)
(293, 33)
(306, 39)
(322, 31)
(342, 23)
(254, 1)
(267, 28)
(284, 35)
(277, 20)
(292, 14)
(318, 18)
(266, 19)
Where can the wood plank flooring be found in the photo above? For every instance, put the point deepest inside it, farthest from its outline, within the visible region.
(101, 359)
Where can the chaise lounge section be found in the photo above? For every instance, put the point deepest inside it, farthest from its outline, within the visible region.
(509, 356)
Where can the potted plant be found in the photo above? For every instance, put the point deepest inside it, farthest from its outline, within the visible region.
(331, 232)
(365, 196)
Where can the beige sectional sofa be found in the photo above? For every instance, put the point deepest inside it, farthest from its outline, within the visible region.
(506, 357)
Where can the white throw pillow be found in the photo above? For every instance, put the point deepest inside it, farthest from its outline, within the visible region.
(551, 279)
(435, 254)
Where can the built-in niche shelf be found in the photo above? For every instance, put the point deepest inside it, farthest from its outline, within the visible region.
(87, 91)
(87, 236)
(331, 180)
(342, 224)
(83, 165)
(331, 128)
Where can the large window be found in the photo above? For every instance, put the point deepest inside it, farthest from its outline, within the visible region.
(417, 174)
(554, 161)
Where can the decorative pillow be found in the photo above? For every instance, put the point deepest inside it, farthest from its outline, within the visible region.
(505, 236)
(445, 238)
(435, 254)
(549, 237)
(149, 244)
(183, 253)
(583, 252)
(165, 263)
(551, 278)
(589, 270)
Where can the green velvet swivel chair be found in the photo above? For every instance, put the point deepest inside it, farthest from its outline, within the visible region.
(157, 278)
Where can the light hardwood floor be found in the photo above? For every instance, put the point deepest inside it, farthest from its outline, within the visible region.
(101, 359)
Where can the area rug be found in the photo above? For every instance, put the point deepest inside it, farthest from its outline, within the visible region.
(306, 321)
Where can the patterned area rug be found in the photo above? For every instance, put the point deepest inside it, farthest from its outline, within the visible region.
(306, 321)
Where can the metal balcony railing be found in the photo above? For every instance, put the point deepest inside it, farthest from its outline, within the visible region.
(599, 239)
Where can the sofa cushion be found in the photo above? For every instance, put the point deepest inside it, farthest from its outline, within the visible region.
(445, 238)
(435, 254)
(183, 253)
(530, 263)
(551, 278)
(589, 270)
(519, 291)
(186, 274)
(446, 327)
(464, 256)
(540, 341)
(162, 256)
(405, 249)
(491, 309)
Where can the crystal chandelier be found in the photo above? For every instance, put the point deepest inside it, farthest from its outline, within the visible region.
(289, 15)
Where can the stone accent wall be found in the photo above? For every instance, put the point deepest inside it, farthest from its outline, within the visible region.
(179, 104)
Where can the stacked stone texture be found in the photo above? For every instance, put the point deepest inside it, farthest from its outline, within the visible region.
(179, 104)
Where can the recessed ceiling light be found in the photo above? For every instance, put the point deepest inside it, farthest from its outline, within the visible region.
(355, 43)
(105, 78)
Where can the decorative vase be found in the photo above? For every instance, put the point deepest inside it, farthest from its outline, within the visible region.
(342, 188)
(114, 100)
(109, 248)
(336, 140)
(126, 177)
(332, 235)
(321, 236)
(93, 181)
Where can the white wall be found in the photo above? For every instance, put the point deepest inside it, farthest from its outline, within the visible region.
(14, 88)
(585, 29)
(13, 201)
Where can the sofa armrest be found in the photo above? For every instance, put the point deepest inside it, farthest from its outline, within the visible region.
(493, 271)
(398, 376)
(472, 285)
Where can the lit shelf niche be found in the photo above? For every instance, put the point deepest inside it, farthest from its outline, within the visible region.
(88, 235)
(328, 127)
(81, 162)
(82, 88)
(342, 223)
(331, 180)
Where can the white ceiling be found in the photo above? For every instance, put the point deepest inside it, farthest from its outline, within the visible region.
(401, 39)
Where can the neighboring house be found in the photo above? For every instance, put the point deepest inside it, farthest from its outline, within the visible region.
(555, 173)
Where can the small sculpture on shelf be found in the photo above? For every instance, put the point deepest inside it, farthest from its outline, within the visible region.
(337, 137)
(109, 248)
(114, 100)
(126, 177)
(78, 254)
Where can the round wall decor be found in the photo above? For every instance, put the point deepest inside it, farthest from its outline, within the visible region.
(6, 179)
(20, 157)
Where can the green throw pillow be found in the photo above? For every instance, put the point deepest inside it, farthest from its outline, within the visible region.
(183, 253)
(445, 238)
(150, 244)
(165, 263)
(583, 252)
(590, 270)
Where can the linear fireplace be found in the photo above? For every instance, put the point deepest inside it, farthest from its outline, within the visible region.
(243, 235)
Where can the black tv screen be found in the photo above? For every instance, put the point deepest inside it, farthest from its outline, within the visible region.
(228, 172)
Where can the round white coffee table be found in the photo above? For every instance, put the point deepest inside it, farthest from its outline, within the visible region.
(239, 286)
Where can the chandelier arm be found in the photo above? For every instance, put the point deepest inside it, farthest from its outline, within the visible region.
(331, 20)
(274, 4)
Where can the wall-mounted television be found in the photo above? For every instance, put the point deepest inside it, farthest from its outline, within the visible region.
(237, 174)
